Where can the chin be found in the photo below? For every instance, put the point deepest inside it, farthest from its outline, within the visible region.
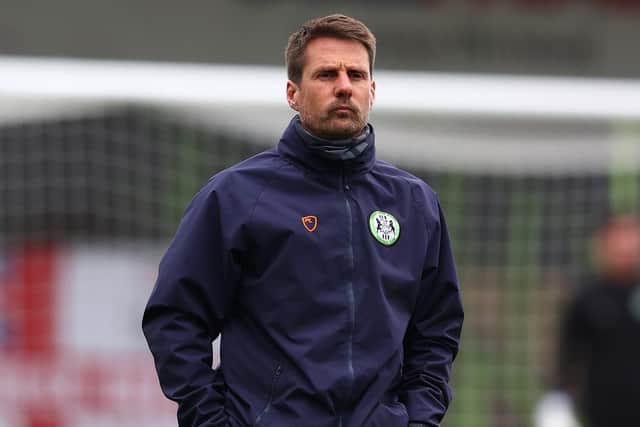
(337, 133)
(344, 131)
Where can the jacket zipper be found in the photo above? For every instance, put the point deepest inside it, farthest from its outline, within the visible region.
(349, 284)
(267, 406)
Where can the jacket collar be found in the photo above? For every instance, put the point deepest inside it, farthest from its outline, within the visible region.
(293, 147)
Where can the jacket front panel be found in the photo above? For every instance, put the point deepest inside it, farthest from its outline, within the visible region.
(293, 300)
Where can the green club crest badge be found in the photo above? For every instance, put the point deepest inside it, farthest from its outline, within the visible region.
(384, 227)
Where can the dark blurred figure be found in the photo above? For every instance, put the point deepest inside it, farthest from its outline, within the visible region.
(600, 340)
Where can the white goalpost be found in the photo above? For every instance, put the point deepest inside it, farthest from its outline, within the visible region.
(489, 117)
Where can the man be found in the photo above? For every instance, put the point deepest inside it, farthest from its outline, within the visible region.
(600, 346)
(327, 318)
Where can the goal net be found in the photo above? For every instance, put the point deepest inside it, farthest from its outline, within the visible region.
(99, 159)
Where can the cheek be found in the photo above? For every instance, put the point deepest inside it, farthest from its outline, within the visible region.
(307, 106)
(367, 99)
(316, 105)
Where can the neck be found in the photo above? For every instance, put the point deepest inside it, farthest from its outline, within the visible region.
(347, 140)
(335, 149)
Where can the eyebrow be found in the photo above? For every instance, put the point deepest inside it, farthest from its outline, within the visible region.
(332, 68)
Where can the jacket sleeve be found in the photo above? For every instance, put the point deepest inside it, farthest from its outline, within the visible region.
(193, 293)
(433, 335)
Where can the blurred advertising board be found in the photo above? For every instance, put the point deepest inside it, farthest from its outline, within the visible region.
(72, 353)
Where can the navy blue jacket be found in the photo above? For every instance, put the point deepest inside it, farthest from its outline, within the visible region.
(321, 324)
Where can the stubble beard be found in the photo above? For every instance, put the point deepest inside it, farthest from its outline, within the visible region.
(332, 126)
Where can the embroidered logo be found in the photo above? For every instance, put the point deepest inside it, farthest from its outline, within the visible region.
(384, 227)
(310, 222)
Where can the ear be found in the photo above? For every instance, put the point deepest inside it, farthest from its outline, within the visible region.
(292, 94)
(373, 94)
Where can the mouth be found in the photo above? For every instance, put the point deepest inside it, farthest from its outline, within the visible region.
(343, 109)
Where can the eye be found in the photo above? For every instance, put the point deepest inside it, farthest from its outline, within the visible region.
(324, 75)
(357, 75)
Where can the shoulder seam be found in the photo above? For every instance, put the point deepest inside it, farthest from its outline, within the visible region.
(262, 190)
(420, 184)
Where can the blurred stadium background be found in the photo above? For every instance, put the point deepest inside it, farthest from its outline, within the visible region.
(524, 115)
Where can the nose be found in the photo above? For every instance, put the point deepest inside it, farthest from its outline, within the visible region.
(343, 87)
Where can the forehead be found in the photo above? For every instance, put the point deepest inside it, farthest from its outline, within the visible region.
(330, 51)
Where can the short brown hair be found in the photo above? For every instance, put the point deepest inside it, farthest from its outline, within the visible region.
(338, 26)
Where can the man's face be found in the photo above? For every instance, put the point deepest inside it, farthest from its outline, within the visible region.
(620, 249)
(336, 91)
